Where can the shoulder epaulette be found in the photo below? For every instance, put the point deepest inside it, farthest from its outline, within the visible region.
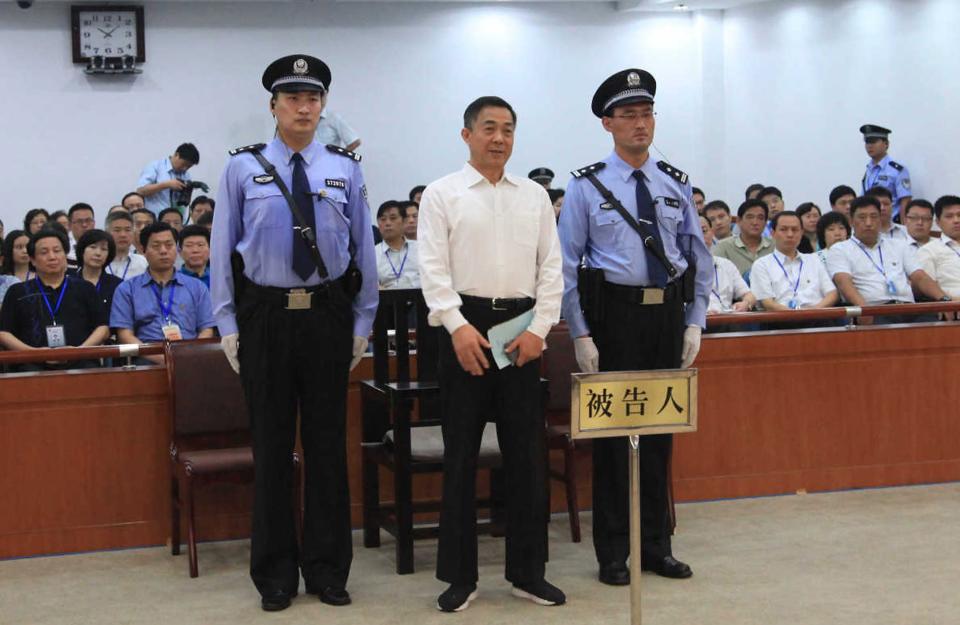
(256, 147)
(896, 165)
(336, 149)
(589, 169)
(670, 170)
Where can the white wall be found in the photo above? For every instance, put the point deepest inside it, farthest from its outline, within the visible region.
(402, 75)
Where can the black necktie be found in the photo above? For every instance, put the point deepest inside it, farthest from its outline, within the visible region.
(303, 263)
(647, 213)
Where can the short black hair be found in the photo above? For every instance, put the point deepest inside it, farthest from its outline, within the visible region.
(141, 211)
(188, 152)
(943, 202)
(156, 228)
(171, 209)
(918, 202)
(878, 191)
(747, 205)
(806, 207)
(55, 215)
(839, 192)
(203, 199)
(79, 206)
(205, 219)
(92, 237)
(756, 186)
(764, 192)
(8, 241)
(555, 194)
(33, 212)
(121, 215)
(781, 215)
(131, 194)
(48, 232)
(417, 189)
(827, 220)
(407, 204)
(473, 109)
(862, 201)
(387, 206)
(193, 230)
(716, 204)
(699, 191)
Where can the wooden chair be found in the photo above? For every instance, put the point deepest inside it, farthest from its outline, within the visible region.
(211, 432)
(398, 442)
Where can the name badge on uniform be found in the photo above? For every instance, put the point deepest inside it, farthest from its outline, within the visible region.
(883, 178)
(56, 337)
(672, 202)
(336, 182)
(171, 332)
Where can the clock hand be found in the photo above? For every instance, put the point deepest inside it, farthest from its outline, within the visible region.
(103, 31)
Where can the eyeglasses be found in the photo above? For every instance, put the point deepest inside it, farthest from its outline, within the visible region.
(920, 219)
(633, 116)
(86, 221)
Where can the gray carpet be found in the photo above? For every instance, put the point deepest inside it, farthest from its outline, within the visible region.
(876, 557)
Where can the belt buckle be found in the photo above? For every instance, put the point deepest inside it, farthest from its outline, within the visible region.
(299, 299)
(493, 304)
(652, 296)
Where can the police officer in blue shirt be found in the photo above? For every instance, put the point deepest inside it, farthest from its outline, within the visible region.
(643, 309)
(882, 171)
(294, 320)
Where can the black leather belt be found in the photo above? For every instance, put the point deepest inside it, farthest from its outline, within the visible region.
(643, 295)
(515, 304)
(302, 298)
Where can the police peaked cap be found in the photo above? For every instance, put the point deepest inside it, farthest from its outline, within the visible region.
(631, 86)
(540, 173)
(872, 131)
(297, 72)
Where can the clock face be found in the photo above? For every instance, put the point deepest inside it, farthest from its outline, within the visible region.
(108, 33)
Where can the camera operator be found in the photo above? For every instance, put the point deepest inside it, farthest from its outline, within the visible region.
(161, 181)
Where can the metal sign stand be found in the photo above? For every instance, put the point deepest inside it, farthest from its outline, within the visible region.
(636, 617)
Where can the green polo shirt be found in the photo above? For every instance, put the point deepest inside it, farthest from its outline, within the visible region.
(733, 249)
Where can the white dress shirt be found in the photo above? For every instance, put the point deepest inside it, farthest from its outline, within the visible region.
(332, 130)
(803, 279)
(398, 269)
(864, 266)
(940, 259)
(728, 285)
(488, 240)
(897, 232)
(133, 265)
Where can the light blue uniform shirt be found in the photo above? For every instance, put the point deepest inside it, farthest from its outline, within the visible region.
(254, 219)
(160, 171)
(892, 176)
(605, 241)
(136, 308)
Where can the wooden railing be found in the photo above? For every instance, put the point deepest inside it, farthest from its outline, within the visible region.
(825, 314)
(73, 354)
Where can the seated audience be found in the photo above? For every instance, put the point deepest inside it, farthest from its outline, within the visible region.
(161, 304)
(940, 258)
(840, 198)
(35, 219)
(871, 270)
(195, 251)
(163, 179)
(61, 218)
(918, 217)
(171, 216)
(707, 232)
(698, 199)
(397, 258)
(16, 260)
(753, 191)
(888, 229)
(809, 214)
(416, 193)
(125, 264)
(773, 198)
(411, 218)
(750, 244)
(788, 279)
(82, 220)
(52, 309)
(556, 198)
(132, 201)
(728, 285)
(831, 228)
(1, 232)
(205, 220)
(718, 214)
(141, 219)
(95, 252)
(200, 205)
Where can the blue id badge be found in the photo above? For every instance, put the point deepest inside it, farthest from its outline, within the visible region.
(891, 287)
(792, 304)
(56, 337)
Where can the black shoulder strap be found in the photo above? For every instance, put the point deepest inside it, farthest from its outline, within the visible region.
(307, 234)
(649, 241)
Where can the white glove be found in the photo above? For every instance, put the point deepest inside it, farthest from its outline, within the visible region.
(691, 346)
(359, 349)
(231, 344)
(588, 358)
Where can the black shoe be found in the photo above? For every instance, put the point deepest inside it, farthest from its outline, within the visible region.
(457, 598)
(332, 595)
(541, 593)
(615, 574)
(667, 567)
(275, 601)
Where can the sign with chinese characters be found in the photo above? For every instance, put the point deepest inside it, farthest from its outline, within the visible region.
(625, 403)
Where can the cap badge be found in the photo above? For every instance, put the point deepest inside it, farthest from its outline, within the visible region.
(633, 79)
(300, 66)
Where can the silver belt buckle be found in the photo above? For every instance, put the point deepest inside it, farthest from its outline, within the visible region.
(494, 304)
(652, 296)
(299, 299)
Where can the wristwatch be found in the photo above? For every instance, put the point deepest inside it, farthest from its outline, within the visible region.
(946, 298)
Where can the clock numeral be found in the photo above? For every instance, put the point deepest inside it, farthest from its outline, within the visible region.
(107, 18)
(128, 23)
(129, 47)
(95, 50)
(86, 22)
(107, 50)
(87, 46)
(86, 34)
(95, 18)
(129, 33)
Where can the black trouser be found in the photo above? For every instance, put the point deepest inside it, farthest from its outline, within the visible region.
(634, 337)
(290, 360)
(511, 398)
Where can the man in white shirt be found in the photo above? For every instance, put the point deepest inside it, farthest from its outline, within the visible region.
(397, 258)
(940, 259)
(333, 130)
(787, 279)
(918, 215)
(870, 271)
(729, 292)
(489, 253)
(126, 264)
(888, 229)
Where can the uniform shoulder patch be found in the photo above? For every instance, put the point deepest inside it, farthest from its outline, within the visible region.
(336, 149)
(896, 165)
(589, 169)
(256, 147)
(672, 171)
